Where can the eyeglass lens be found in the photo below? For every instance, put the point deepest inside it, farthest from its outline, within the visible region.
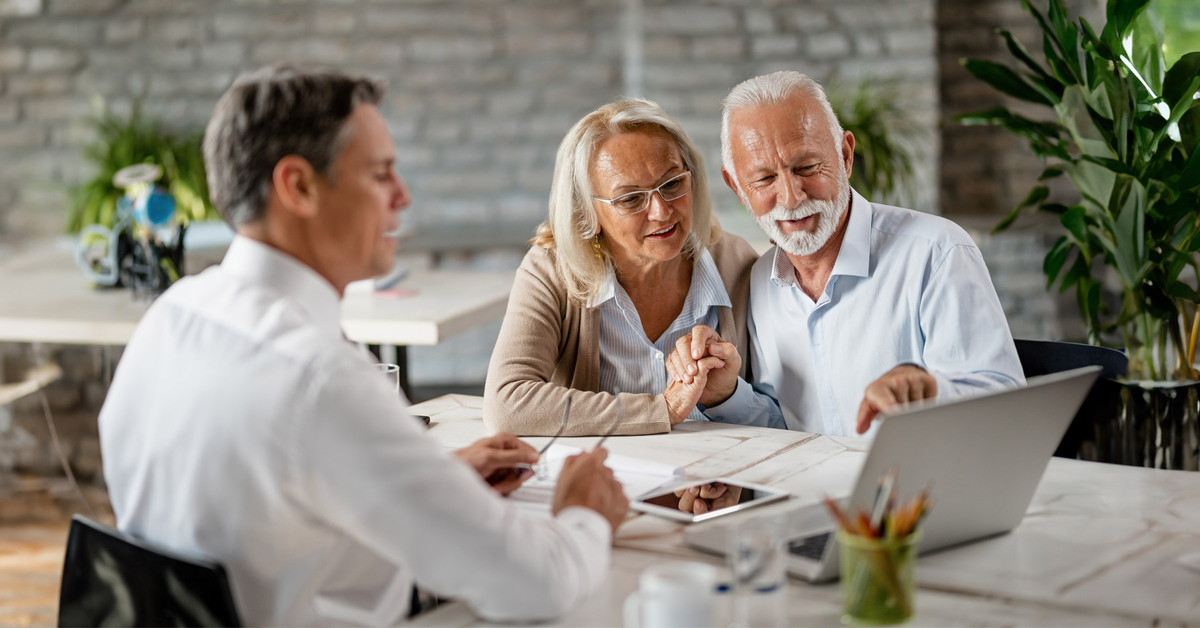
(670, 190)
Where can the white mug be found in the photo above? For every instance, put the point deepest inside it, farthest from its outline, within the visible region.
(674, 595)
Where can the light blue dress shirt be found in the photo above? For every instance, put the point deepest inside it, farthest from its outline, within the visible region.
(629, 360)
(907, 287)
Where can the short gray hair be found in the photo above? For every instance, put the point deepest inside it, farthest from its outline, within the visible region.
(770, 89)
(268, 114)
(573, 221)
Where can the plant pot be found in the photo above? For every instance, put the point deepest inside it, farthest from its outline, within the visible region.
(1148, 424)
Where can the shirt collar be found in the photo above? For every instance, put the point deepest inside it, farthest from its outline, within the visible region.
(267, 266)
(854, 255)
(706, 289)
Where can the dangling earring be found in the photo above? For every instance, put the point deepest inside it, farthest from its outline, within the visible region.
(596, 247)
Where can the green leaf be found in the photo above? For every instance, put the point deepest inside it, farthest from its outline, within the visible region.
(1022, 54)
(1076, 223)
(1005, 79)
(1179, 83)
(1050, 173)
(1055, 259)
(1119, 17)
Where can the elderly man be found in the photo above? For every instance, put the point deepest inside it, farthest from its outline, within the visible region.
(242, 427)
(860, 307)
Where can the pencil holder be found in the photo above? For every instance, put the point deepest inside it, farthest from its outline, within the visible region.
(877, 578)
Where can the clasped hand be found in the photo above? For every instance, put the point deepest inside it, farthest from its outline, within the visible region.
(703, 369)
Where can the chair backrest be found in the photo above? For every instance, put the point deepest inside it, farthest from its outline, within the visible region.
(112, 578)
(1042, 357)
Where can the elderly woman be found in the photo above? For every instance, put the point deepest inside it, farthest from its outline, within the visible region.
(628, 261)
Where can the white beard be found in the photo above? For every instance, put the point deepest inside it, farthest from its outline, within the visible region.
(803, 242)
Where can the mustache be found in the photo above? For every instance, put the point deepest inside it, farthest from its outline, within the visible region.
(803, 210)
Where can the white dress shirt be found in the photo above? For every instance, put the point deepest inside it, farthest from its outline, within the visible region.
(906, 287)
(241, 427)
(629, 360)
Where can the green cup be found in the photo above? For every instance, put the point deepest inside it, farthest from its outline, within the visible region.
(877, 579)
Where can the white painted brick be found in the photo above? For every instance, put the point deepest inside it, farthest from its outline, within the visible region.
(450, 48)
(726, 47)
(759, 21)
(807, 19)
(775, 45)
(422, 20)
(39, 84)
(82, 7)
(915, 41)
(11, 58)
(688, 19)
(827, 45)
(170, 57)
(176, 30)
(20, 136)
(334, 22)
(566, 43)
(8, 113)
(227, 54)
(510, 101)
(153, 7)
(20, 8)
(56, 108)
(52, 59)
(306, 50)
(687, 75)
(65, 32)
(123, 31)
(259, 25)
(543, 18)
(378, 52)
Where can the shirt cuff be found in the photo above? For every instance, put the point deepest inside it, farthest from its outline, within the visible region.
(743, 397)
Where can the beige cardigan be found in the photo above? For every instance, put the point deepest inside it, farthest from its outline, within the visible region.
(549, 343)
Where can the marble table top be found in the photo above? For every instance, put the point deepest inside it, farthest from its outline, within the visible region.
(47, 299)
(1098, 545)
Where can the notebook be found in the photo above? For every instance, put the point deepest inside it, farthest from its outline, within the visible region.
(982, 456)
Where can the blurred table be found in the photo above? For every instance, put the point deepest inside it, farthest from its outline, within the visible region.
(45, 298)
(1098, 545)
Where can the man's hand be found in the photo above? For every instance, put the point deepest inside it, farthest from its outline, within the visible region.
(902, 384)
(704, 344)
(585, 481)
(708, 497)
(495, 457)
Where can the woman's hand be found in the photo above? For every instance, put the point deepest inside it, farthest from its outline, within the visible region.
(704, 343)
(681, 396)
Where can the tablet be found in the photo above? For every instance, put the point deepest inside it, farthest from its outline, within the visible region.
(721, 497)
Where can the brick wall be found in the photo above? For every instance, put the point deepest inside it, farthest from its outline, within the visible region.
(987, 170)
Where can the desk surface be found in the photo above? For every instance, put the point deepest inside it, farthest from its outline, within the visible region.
(47, 299)
(1097, 546)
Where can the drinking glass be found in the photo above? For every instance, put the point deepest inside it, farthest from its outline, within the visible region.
(392, 373)
(756, 562)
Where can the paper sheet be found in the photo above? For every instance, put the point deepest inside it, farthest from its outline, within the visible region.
(637, 477)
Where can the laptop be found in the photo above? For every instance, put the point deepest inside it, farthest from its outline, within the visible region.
(981, 456)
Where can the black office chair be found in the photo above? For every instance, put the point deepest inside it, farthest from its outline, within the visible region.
(1041, 357)
(114, 579)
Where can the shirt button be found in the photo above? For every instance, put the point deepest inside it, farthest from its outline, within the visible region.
(658, 356)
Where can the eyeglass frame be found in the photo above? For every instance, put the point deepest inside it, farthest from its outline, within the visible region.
(649, 193)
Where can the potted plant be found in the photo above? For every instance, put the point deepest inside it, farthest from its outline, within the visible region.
(1125, 131)
(122, 142)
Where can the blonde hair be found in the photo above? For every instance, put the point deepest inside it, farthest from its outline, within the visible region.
(572, 222)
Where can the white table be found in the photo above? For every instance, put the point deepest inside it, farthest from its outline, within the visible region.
(1097, 546)
(45, 298)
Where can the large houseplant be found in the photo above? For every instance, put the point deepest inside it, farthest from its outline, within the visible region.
(1125, 131)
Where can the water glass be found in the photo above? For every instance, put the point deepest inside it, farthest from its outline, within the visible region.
(877, 578)
(756, 563)
(392, 373)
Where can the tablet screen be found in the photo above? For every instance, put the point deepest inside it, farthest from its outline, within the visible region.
(705, 500)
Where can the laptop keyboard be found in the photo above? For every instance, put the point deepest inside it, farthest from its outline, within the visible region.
(810, 546)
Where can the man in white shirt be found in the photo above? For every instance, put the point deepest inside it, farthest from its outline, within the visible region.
(859, 307)
(243, 428)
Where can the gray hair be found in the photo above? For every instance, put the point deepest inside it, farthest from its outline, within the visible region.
(268, 114)
(573, 221)
(771, 89)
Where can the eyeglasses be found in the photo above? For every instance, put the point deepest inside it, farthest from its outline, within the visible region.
(631, 203)
(540, 468)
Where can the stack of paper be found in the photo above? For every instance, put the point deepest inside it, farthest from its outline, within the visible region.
(637, 476)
